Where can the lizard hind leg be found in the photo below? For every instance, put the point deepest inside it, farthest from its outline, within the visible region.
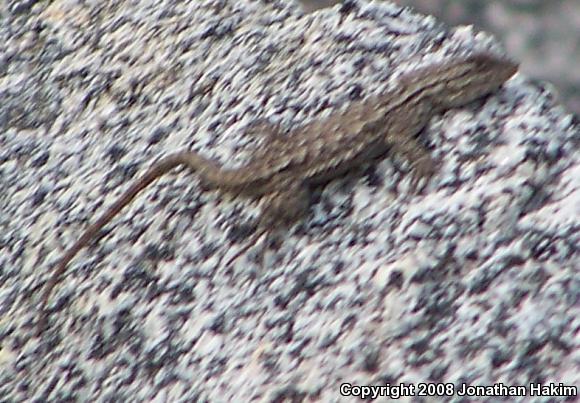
(281, 209)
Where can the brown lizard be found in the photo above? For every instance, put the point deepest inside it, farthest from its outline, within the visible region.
(287, 167)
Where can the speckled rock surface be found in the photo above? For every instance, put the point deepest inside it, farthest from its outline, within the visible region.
(476, 281)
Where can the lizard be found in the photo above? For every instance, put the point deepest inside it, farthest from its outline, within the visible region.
(282, 172)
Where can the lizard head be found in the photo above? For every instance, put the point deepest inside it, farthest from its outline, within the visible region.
(459, 81)
(476, 76)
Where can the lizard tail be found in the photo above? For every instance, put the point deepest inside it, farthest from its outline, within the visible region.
(166, 164)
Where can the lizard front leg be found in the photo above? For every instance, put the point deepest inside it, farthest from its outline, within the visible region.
(401, 137)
